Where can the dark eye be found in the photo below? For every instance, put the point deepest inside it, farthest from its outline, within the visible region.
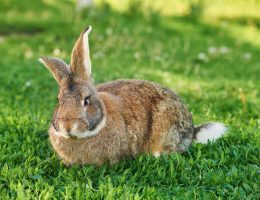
(86, 100)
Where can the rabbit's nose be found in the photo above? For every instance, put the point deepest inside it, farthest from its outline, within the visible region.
(66, 125)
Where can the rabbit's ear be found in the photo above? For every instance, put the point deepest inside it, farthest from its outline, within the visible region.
(57, 67)
(80, 63)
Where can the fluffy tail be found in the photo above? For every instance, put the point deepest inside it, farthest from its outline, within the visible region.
(209, 132)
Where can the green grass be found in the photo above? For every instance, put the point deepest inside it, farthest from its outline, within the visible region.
(169, 50)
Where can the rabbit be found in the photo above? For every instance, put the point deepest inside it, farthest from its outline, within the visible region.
(117, 119)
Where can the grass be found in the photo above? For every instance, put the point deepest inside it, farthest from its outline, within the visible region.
(213, 63)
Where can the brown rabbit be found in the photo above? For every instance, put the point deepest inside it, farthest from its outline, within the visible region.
(117, 119)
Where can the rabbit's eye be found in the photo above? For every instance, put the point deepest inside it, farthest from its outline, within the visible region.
(86, 100)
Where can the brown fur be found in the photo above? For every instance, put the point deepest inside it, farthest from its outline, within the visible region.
(140, 117)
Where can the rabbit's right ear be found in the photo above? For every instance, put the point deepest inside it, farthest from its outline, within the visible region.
(80, 63)
(57, 67)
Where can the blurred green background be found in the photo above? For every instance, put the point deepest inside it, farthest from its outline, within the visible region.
(206, 51)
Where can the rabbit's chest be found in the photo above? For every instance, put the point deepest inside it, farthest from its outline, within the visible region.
(93, 150)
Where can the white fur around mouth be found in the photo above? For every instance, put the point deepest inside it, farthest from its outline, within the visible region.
(87, 133)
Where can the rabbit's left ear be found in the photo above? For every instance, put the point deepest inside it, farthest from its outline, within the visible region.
(80, 63)
(59, 69)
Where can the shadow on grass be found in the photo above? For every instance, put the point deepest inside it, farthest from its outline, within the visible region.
(32, 17)
(245, 21)
(182, 31)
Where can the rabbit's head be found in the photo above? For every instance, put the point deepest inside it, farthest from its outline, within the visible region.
(80, 112)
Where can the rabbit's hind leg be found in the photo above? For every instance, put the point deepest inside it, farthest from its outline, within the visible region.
(158, 134)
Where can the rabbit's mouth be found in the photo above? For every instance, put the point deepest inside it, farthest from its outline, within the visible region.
(76, 131)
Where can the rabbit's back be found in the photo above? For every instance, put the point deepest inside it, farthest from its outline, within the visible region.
(155, 116)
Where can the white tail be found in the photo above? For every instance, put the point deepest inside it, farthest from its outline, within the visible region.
(209, 132)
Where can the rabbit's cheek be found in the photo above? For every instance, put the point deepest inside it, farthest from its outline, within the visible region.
(94, 121)
(97, 126)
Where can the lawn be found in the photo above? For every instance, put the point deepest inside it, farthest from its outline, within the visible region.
(212, 60)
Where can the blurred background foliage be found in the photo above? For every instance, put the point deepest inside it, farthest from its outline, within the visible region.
(188, 45)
